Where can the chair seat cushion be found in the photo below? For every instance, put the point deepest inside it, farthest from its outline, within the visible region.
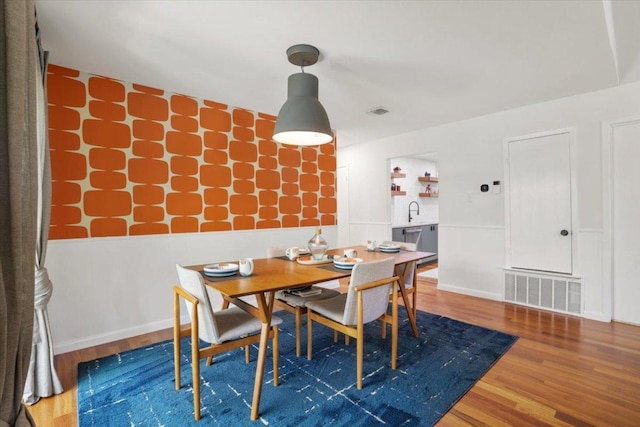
(298, 301)
(235, 322)
(331, 308)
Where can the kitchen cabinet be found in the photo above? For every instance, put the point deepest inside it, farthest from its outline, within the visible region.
(426, 236)
(429, 241)
(397, 234)
(410, 234)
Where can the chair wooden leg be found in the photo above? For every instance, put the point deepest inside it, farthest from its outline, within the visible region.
(176, 338)
(209, 360)
(275, 342)
(384, 329)
(394, 330)
(415, 290)
(195, 364)
(359, 341)
(359, 354)
(298, 330)
(195, 367)
(335, 336)
(347, 340)
(309, 335)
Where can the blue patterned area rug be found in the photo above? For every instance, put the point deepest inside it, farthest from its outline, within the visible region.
(136, 388)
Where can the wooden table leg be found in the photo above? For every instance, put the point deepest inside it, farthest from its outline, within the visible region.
(265, 307)
(405, 298)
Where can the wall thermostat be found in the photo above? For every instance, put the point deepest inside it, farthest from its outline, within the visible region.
(484, 188)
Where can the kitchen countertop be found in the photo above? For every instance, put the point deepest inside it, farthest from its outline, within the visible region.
(413, 224)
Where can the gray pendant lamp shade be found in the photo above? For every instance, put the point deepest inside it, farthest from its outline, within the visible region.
(302, 120)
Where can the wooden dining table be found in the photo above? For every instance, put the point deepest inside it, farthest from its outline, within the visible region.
(275, 274)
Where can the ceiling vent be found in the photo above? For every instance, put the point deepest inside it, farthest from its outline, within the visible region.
(378, 111)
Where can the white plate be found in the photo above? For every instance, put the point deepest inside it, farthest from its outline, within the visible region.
(344, 264)
(223, 274)
(308, 260)
(389, 248)
(223, 268)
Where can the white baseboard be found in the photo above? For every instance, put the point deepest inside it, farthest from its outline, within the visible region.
(470, 292)
(596, 315)
(92, 341)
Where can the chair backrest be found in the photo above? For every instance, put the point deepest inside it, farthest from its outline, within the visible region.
(279, 251)
(411, 247)
(407, 246)
(375, 300)
(192, 282)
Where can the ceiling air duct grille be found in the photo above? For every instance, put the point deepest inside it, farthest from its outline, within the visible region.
(378, 111)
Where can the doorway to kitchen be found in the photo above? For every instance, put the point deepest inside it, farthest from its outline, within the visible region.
(414, 201)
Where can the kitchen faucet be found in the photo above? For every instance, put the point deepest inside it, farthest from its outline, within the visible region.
(417, 209)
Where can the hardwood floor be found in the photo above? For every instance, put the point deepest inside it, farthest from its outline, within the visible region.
(563, 371)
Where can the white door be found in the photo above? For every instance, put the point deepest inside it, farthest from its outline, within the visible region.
(540, 203)
(343, 206)
(625, 219)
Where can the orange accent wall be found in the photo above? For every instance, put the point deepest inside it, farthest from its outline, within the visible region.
(128, 159)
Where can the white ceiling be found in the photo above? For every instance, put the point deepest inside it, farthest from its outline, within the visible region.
(428, 62)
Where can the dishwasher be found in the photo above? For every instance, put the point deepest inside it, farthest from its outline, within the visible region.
(412, 235)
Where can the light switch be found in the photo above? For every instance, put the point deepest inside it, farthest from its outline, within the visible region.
(496, 187)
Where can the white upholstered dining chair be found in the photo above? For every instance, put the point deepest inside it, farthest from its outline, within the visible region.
(411, 276)
(297, 304)
(366, 300)
(223, 329)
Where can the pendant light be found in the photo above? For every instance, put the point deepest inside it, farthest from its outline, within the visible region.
(302, 120)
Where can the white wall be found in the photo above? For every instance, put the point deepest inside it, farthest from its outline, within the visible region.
(471, 231)
(111, 288)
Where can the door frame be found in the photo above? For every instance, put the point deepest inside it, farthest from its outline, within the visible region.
(571, 131)
(608, 127)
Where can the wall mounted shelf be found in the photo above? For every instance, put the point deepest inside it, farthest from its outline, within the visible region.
(398, 193)
(427, 195)
(428, 178)
(398, 175)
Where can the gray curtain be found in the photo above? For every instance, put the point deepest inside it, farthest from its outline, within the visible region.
(42, 379)
(18, 198)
